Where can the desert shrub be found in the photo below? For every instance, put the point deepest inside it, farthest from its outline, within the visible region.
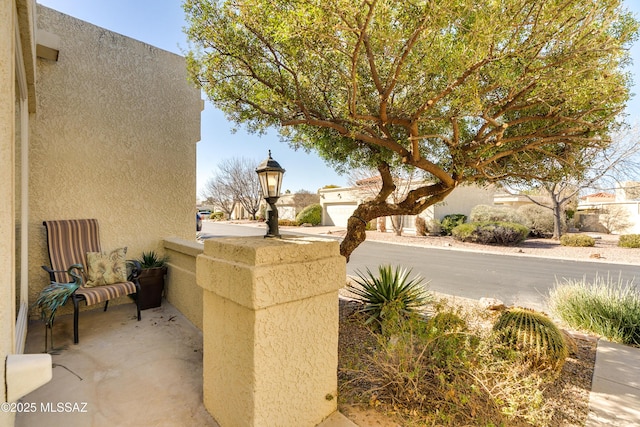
(486, 213)
(577, 240)
(534, 335)
(491, 233)
(287, 222)
(607, 307)
(445, 372)
(312, 214)
(629, 241)
(538, 219)
(421, 226)
(449, 222)
(217, 216)
(391, 290)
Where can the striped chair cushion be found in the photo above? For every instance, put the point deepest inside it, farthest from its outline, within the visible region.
(69, 241)
(107, 292)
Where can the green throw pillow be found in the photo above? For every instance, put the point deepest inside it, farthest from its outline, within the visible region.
(106, 268)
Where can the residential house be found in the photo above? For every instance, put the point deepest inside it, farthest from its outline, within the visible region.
(93, 124)
(616, 213)
(338, 204)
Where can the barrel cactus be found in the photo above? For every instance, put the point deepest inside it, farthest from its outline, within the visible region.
(535, 335)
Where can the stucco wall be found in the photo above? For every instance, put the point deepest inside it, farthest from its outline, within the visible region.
(7, 257)
(114, 139)
(181, 289)
(16, 17)
(463, 198)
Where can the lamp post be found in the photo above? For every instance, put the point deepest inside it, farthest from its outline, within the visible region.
(270, 174)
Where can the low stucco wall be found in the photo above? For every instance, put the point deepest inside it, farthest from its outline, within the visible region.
(181, 289)
(114, 139)
(270, 350)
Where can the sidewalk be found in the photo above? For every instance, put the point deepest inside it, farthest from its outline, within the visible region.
(615, 389)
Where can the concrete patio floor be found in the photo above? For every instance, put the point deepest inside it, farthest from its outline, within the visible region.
(124, 372)
(128, 373)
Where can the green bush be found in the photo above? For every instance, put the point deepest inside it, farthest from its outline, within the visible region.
(485, 213)
(449, 222)
(606, 307)
(312, 214)
(287, 222)
(629, 241)
(390, 290)
(534, 335)
(217, 216)
(577, 240)
(538, 219)
(491, 233)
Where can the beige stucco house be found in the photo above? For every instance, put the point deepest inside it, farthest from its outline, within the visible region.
(92, 125)
(338, 204)
(616, 213)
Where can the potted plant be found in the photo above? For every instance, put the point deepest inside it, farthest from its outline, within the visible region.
(154, 268)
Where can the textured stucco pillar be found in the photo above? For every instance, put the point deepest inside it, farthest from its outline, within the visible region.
(270, 329)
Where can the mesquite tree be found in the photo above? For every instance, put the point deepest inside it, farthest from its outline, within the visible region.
(465, 90)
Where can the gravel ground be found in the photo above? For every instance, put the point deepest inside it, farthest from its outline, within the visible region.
(568, 397)
(605, 250)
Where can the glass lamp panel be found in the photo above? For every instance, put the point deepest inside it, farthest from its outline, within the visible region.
(273, 183)
(263, 184)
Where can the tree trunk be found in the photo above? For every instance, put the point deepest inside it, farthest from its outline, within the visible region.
(398, 224)
(557, 218)
(356, 233)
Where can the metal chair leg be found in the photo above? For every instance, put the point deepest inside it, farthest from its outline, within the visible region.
(76, 312)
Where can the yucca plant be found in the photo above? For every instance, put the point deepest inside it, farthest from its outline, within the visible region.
(390, 290)
(535, 335)
(152, 260)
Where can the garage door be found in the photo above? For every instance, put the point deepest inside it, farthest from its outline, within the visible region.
(338, 215)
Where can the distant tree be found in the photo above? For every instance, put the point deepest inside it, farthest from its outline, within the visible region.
(304, 198)
(235, 181)
(464, 90)
(601, 169)
(220, 195)
(615, 219)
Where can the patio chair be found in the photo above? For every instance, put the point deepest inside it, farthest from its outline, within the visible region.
(68, 243)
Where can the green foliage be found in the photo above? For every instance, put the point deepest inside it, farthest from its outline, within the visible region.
(369, 84)
(312, 214)
(152, 260)
(449, 222)
(390, 291)
(577, 240)
(535, 335)
(421, 226)
(607, 307)
(485, 213)
(629, 241)
(288, 222)
(491, 233)
(538, 219)
(217, 216)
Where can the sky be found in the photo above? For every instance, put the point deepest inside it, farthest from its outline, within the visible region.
(161, 22)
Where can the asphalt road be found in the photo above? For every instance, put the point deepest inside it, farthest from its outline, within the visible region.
(519, 280)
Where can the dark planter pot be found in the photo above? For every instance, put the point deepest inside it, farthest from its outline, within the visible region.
(151, 287)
